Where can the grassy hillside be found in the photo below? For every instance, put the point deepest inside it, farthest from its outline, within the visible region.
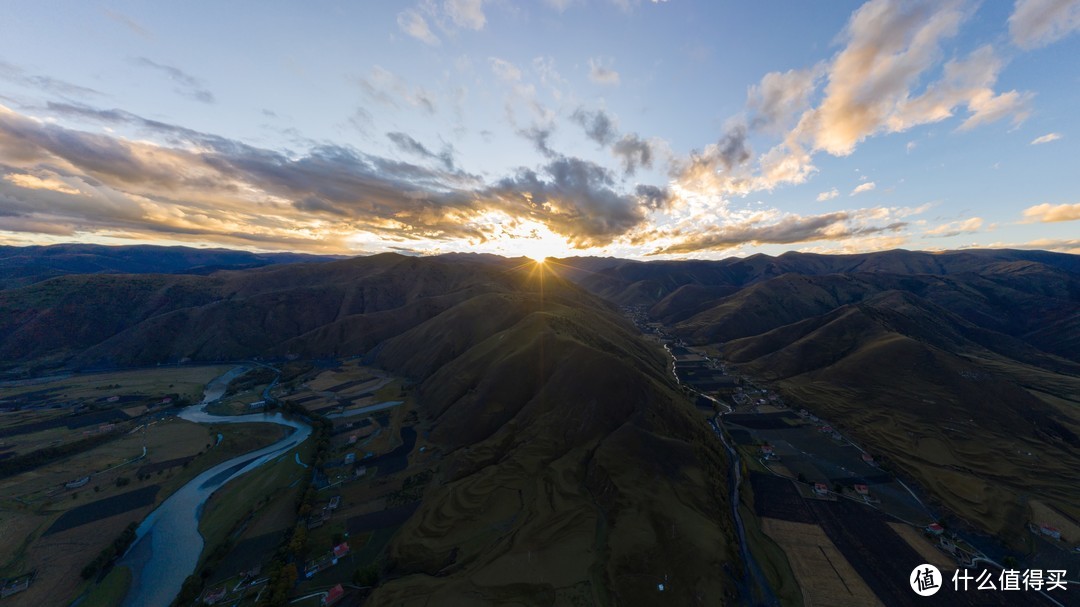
(571, 470)
(961, 369)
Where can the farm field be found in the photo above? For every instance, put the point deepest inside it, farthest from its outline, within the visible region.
(56, 516)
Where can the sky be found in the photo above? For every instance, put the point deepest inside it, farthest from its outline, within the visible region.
(632, 128)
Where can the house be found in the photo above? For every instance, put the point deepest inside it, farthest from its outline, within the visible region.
(935, 529)
(866, 457)
(821, 489)
(862, 489)
(334, 595)
(256, 405)
(1049, 531)
(341, 550)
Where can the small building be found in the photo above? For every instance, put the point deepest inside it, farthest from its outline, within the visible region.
(334, 502)
(825, 429)
(257, 404)
(352, 439)
(350, 458)
(767, 450)
(113, 399)
(1049, 531)
(75, 484)
(334, 595)
(821, 489)
(935, 529)
(360, 471)
(866, 457)
(862, 489)
(341, 550)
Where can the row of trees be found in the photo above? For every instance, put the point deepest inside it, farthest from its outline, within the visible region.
(104, 560)
(285, 568)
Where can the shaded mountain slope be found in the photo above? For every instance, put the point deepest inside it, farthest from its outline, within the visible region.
(962, 370)
(572, 469)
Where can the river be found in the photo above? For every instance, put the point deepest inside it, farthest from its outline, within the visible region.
(168, 543)
(754, 585)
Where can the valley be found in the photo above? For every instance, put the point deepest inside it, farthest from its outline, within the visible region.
(792, 430)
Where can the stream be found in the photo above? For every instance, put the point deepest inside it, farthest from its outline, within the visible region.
(754, 585)
(168, 543)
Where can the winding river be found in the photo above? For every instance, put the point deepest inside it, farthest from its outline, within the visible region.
(168, 544)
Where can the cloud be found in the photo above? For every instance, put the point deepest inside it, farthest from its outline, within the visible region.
(128, 22)
(882, 80)
(1047, 138)
(781, 96)
(598, 125)
(863, 187)
(33, 182)
(187, 85)
(388, 88)
(829, 195)
(890, 47)
(1037, 23)
(16, 75)
(633, 152)
(790, 229)
(505, 70)
(600, 73)
(575, 198)
(466, 13)
(208, 188)
(407, 144)
(955, 228)
(540, 137)
(414, 24)
(1050, 213)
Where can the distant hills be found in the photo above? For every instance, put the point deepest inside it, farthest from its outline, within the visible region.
(960, 368)
(21, 266)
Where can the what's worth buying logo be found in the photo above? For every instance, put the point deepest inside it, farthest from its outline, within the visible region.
(925, 580)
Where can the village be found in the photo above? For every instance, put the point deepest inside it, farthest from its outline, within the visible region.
(811, 485)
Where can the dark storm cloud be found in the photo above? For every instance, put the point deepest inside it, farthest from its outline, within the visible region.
(186, 84)
(789, 230)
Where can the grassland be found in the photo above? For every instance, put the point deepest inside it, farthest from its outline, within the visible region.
(186, 381)
(35, 499)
